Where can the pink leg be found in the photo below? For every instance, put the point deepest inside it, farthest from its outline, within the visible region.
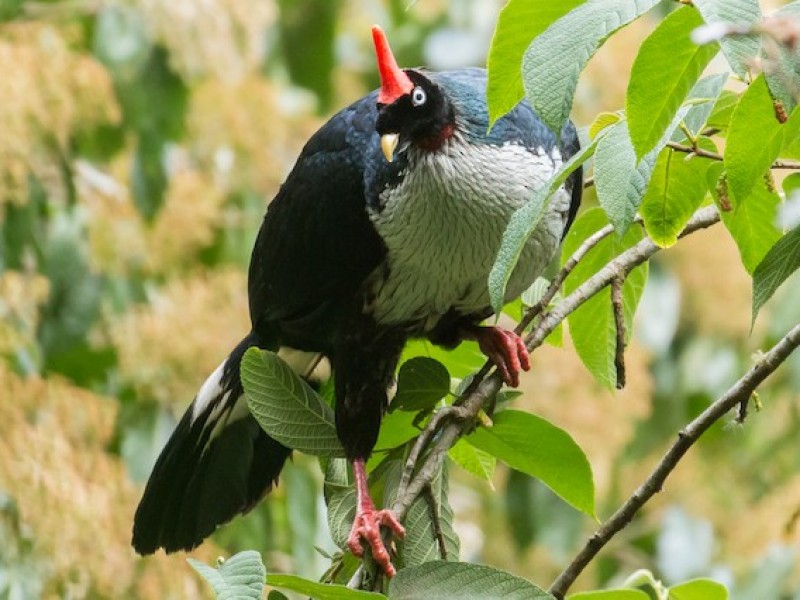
(505, 349)
(368, 521)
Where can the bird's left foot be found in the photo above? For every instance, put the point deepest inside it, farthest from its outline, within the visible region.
(367, 527)
(505, 349)
(368, 521)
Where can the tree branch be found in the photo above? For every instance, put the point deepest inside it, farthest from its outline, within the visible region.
(739, 393)
(442, 432)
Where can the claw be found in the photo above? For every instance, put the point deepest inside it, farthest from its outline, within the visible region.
(506, 350)
(367, 527)
(367, 524)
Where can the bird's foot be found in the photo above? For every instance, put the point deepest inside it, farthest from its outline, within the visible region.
(368, 521)
(505, 349)
(367, 527)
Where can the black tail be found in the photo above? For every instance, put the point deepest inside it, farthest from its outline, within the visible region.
(217, 464)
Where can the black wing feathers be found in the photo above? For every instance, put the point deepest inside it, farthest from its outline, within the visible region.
(317, 246)
(197, 484)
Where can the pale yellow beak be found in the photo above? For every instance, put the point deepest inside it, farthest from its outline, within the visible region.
(388, 144)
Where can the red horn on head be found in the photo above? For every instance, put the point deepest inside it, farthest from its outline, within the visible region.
(394, 82)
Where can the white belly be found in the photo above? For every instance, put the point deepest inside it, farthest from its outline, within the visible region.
(443, 227)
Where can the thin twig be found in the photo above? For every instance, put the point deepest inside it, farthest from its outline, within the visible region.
(738, 393)
(778, 164)
(435, 510)
(619, 326)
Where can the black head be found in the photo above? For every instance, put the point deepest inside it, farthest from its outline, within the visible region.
(424, 116)
(412, 108)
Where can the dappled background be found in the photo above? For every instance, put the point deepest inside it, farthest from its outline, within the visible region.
(140, 142)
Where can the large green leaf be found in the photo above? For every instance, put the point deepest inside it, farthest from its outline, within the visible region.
(421, 383)
(476, 461)
(666, 68)
(591, 326)
(420, 544)
(286, 407)
(754, 140)
(620, 178)
(319, 591)
(440, 580)
(554, 60)
(677, 188)
(752, 224)
(537, 447)
(778, 264)
(518, 23)
(238, 578)
(698, 589)
(739, 50)
(522, 224)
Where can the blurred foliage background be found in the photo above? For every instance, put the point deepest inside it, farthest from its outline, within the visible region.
(140, 142)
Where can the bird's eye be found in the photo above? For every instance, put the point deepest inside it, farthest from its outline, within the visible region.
(418, 96)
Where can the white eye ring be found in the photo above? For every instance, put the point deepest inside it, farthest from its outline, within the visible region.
(418, 96)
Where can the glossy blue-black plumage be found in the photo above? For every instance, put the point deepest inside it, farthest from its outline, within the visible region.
(308, 286)
(317, 246)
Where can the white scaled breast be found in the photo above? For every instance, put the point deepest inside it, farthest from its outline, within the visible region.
(444, 222)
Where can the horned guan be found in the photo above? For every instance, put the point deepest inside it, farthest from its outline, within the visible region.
(385, 230)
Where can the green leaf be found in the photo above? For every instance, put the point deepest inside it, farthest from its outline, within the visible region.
(286, 407)
(602, 122)
(554, 60)
(300, 484)
(754, 140)
(783, 76)
(752, 224)
(740, 50)
(676, 189)
(698, 589)
(319, 591)
(397, 428)
(537, 447)
(666, 68)
(476, 461)
(592, 326)
(619, 178)
(720, 117)
(610, 595)
(523, 223)
(341, 513)
(421, 383)
(462, 361)
(441, 580)
(518, 23)
(705, 93)
(238, 578)
(420, 544)
(778, 264)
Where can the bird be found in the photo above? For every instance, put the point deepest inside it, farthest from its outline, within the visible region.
(385, 230)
